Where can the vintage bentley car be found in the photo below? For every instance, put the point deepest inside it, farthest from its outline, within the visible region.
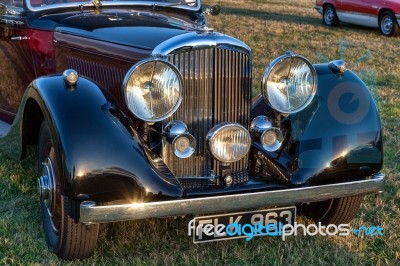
(140, 110)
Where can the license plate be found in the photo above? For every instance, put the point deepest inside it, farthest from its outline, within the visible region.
(241, 225)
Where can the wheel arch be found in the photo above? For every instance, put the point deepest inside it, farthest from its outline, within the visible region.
(382, 10)
(32, 118)
(100, 155)
(329, 3)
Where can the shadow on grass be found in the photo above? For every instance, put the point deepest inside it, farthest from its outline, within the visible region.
(272, 16)
(159, 241)
(166, 241)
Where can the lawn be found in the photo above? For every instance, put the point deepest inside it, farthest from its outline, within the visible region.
(269, 27)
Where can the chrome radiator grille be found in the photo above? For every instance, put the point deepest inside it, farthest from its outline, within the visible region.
(217, 89)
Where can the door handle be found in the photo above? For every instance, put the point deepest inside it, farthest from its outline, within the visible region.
(19, 38)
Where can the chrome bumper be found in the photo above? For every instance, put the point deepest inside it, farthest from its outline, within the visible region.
(319, 9)
(90, 213)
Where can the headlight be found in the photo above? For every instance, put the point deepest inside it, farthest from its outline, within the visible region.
(153, 89)
(228, 142)
(289, 83)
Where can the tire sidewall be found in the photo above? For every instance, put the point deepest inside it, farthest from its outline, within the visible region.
(53, 238)
(389, 15)
(334, 20)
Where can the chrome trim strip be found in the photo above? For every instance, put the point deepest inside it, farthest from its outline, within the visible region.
(196, 40)
(90, 213)
(111, 3)
(355, 13)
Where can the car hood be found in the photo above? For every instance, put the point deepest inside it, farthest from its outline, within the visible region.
(144, 30)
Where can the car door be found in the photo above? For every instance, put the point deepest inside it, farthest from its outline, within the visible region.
(370, 7)
(15, 58)
(358, 12)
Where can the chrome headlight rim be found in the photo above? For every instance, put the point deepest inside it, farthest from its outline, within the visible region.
(190, 149)
(278, 139)
(129, 74)
(273, 65)
(217, 129)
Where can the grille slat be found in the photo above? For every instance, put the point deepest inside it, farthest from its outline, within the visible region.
(217, 89)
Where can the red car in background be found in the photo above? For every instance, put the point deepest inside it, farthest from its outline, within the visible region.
(381, 14)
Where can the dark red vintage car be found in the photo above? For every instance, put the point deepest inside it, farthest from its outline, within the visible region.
(382, 14)
(140, 110)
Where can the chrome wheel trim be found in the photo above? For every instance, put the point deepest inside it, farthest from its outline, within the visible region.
(48, 190)
(329, 15)
(386, 24)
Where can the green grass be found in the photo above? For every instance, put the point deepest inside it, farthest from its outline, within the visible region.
(269, 28)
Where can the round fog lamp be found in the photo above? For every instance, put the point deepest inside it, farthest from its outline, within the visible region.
(271, 139)
(184, 145)
(228, 142)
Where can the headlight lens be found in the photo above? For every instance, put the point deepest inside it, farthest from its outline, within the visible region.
(229, 142)
(153, 89)
(289, 83)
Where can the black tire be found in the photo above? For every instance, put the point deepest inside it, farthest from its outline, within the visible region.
(335, 211)
(65, 235)
(388, 24)
(329, 16)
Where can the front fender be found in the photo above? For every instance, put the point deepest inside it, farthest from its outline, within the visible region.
(338, 136)
(98, 155)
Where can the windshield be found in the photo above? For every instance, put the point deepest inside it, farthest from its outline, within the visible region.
(46, 4)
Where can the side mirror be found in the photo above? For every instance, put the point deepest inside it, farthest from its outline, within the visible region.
(214, 10)
(3, 9)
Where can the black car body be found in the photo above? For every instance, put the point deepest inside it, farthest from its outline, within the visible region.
(152, 116)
